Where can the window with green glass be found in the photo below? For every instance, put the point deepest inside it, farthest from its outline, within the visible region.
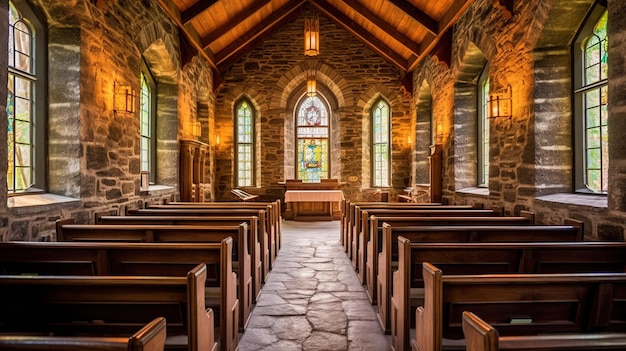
(146, 122)
(381, 114)
(483, 128)
(312, 140)
(20, 103)
(244, 139)
(591, 98)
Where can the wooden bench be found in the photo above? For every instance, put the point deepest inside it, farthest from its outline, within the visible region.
(268, 241)
(149, 338)
(369, 248)
(259, 261)
(273, 215)
(375, 230)
(130, 259)
(175, 234)
(518, 304)
(481, 336)
(493, 258)
(83, 305)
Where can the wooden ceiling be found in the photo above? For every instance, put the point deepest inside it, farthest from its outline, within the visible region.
(401, 31)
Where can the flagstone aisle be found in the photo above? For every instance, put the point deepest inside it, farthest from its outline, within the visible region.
(312, 299)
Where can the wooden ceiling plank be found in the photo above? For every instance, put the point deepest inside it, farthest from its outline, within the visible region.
(383, 25)
(174, 13)
(235, 47)
(348, 24)
(428, 22)
(196, 9)
(235, 21)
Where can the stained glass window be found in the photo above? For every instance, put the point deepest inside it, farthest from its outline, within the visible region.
(380, 144)
(146, 120)
(594, 100)
(20, 101)
(312, 134)
(244, 134)
(483, 128)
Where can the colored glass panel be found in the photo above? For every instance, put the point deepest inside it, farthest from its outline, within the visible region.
(380, 144)
(245, 147)
(146, 117)
(312, 133)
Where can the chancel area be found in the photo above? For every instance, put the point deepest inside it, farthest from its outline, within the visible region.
(186, 152)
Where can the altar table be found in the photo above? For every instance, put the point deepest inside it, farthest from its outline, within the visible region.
(313, 205)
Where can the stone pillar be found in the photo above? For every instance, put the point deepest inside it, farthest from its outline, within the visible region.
(617, 105)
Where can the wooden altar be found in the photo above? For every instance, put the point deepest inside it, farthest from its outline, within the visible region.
(312, 201)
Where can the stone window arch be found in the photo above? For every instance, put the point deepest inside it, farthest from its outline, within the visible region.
(313, 142)
(381, 143)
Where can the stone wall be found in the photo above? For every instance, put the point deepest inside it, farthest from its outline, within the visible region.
(530, 159)
(93, 151)
(349, 76)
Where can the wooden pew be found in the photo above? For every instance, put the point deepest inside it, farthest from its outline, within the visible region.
(493, 258)
(267, 240)
(366, 236)
(518, 304)
(175, 234)
(273, 217)
(480, 336)
(149, 338)
(375, 231)
(66, 306)
(253, 235)
(130, 259)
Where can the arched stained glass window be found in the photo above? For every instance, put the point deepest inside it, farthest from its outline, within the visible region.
(20, 103)
(592, 104)
(244, 137)
(147, 118)
(312, 134)
(381, 113)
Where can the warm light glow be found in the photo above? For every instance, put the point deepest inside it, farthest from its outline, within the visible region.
(409, 141)
(217, 139)
(499, 104)
(311, 83)
(123, 98)
(311, 36)
(197, 129)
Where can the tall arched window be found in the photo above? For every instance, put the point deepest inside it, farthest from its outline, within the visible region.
(312, 140)
(381, 113)
(591, 104)
(483, 128)
(147, 123)
(244, 140)
(25, 101)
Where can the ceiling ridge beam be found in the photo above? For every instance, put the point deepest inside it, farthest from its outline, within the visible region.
(195, 10)
(428, 22)
(352, 27)
(234, 22)
(407, 42)
(235, 47)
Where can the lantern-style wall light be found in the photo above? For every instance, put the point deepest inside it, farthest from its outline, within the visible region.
(124, 98)
(311, 83)
(499, 104)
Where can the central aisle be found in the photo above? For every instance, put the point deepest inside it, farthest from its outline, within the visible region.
(313, 299)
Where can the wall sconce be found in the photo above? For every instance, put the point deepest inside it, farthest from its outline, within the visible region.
(197, 129)
(409, 141)
(311, 83)
(124, 98)
(499, 104)
(217, 140)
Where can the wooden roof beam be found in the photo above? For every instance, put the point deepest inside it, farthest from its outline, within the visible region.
(195, 10)
(352, 27)
(384, 26)
(242, 44)
(235, 21)
(428, 22)
(174, 13)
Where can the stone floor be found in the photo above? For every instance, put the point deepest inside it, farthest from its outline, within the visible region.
(312, 299)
